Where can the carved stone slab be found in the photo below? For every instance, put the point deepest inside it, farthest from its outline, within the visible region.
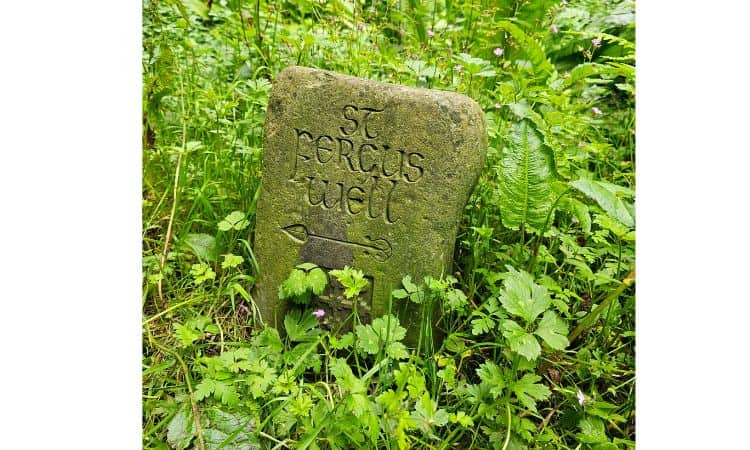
(366, 174)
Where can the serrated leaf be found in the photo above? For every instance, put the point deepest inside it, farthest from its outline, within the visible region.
(592, 431)
(226, 393)
(231, 261)
(186, 335)
(606, 197)
(202, 245)
(204, 389)
(527, 171)
(522, 297)
(529, 392)
(317, 280)
(553, 330)
(301, 327)
(383, 331)
(482, 325)
(490, 373)
(520, 341)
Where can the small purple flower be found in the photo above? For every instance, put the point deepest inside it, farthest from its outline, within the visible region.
(319, 313)
(458, 68)
(497, 105)
(581, 398)
(553, 28)
(597, 42)
(430, 33)
(596, 111)
(361, 26)
(498, 51)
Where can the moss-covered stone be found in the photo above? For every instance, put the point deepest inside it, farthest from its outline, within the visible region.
(364, 174)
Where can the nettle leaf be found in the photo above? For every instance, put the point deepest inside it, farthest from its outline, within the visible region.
(301, 327)
(553, 330)
(527, 171)
(383, 331)
(229, 431)
(522, 297)
(520, 341)
(607, 196)
(181, 428)
(529, 392)
(185, 334)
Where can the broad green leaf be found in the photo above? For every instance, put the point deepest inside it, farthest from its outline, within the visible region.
(606, 197)
(382, 330)
(522, 297)
(529, 392)
(202, 245)
(553, 330)
(234, 221)
(301, 327)
(186, 335)
(352, 279)
(317, 280)
(231, 431)
(527, 171)
(427, 415)
(181, 428)
(231, 261)
(520, 341)
(592, 431)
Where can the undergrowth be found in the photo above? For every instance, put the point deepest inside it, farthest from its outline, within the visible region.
(539, 314)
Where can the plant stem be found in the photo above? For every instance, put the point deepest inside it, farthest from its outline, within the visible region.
(589, 320)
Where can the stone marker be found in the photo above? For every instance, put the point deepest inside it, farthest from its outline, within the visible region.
(363, 174)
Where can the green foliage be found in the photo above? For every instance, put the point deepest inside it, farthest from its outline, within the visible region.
(527, 171)
(546, 239)
(304, 281)
(352, 279)
(383, 333)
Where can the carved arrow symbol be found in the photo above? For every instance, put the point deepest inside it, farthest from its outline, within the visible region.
(380, 249)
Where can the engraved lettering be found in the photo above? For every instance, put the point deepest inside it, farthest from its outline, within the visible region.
(365, 119)
(359, 200)
(361, 158)
(297, 154)
(385, 157)
(350, 119)
(309, 191)
(319, 147)
(413, 165)
(348, 154)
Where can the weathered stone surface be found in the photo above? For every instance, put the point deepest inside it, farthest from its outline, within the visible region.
(364, 174)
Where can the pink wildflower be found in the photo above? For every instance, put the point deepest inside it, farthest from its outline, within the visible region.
(553, 28)
(361, 26)
(498, 51)
(319, 313)
(581, 398)
(497, 105)
(458, 68)
(596, 42)
(430, 33)
(596, 111)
